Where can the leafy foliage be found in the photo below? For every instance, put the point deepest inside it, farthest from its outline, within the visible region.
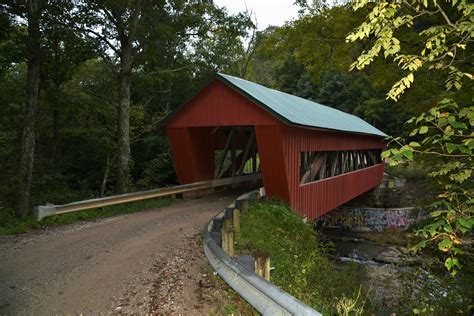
(446, 147)
(76, 133)
(444, 41)
(441, 138)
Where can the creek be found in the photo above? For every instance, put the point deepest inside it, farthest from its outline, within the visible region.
(396, 280)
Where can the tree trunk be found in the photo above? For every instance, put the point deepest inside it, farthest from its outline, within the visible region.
(123, 142)
(103, 186)
(25, 170)
(55, 102)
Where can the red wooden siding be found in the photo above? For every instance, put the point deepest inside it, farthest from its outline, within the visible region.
(319, 140)
(192, 142)
(193, 153)
(317, 198)
(272, 161)
(219, 105)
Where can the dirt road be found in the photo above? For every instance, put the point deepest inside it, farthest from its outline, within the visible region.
(111, 265)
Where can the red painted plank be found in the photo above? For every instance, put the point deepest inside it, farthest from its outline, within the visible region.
(219, 105)
(272, 161)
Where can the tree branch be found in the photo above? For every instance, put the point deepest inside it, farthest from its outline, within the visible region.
(445, 16)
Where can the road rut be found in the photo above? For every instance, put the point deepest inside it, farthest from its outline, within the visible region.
(89, 267)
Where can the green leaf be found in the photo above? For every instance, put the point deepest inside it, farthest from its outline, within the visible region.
(450, 263)
(459, 125)
(464, 222)
(408, 154)
(465, 150)
(445, 244)
(386, 153)
(414, 144)
(436, 213)
(420, 245)
(451, 147)
(423, 129)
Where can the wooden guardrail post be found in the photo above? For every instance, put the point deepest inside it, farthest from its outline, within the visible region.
(228, 241)
(262, 264)
(242, 205)
(227, 223)
(236, 221)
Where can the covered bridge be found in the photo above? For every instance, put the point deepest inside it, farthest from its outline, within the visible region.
(312, 156)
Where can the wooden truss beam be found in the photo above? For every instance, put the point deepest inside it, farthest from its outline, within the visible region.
(321, 165)
(217, 171)
(248, 148)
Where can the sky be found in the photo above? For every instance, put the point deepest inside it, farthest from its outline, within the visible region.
(268, 12)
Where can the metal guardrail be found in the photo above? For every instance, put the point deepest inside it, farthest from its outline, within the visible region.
(264, 296)
(44, 211)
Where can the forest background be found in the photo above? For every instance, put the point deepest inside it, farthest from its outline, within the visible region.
(84, 84)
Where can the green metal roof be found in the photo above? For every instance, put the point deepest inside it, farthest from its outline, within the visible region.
(299, 111)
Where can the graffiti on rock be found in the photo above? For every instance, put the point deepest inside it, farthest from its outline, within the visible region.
(360, 218)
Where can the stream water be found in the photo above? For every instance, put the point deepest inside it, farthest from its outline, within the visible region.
(397, 280)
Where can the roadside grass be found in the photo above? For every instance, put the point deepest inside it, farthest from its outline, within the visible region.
(11, 224)
(301, 263)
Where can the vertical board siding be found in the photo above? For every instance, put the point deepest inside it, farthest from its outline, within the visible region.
(219, 105)
(318, 140)
(317, 198)
(272, 161)
(193, 153)
(279, 145)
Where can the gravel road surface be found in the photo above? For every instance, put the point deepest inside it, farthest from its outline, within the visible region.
(107, 266)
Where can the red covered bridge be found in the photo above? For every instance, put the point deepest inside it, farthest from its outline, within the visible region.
(310, 155)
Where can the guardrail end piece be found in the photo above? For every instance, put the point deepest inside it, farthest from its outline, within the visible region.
(42, 211)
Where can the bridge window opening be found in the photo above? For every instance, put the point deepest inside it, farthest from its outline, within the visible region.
(236, 153)
(319, 165)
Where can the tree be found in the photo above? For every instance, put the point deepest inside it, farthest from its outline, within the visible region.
(220, 46)
(336, 90)
(27, 156)
(115, 26)
(146, 34)
(442, 138)
(63, 52)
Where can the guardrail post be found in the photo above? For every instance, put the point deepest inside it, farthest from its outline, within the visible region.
(228, 241)
(236, 221)
(227, 223)
(242, 205)
(262, 264)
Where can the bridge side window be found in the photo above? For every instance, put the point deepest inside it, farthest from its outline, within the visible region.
(319, 165)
